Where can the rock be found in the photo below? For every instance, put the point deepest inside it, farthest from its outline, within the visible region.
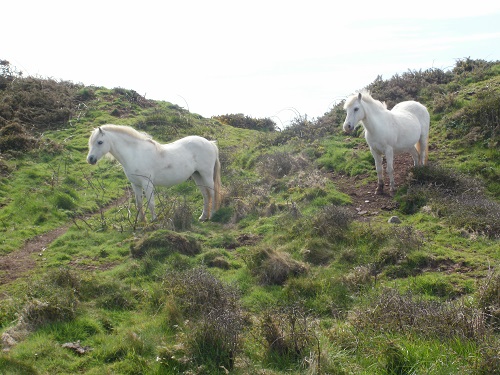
(75, 346)
(394, 220)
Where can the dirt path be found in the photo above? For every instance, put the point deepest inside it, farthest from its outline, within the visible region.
(365, 202)
(18, 263)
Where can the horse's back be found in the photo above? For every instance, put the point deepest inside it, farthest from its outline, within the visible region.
(416, 109)
(198, 148)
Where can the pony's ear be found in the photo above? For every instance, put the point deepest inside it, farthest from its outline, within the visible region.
(100, 130)
(359, 98)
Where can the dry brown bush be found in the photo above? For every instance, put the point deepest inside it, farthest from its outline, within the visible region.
(392, 311)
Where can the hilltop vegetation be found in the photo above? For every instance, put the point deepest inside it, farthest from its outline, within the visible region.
(293, 274)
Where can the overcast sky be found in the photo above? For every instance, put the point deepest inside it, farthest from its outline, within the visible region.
(271, 58)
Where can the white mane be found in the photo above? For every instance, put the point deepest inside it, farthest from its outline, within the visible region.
(366, 97)
(128, 131)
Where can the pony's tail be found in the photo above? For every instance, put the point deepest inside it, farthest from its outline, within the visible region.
(426, 150)
(417, 146)
(419, 149)
(217, 183)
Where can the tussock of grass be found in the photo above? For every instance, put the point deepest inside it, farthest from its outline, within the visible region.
(274, 267)
(162, 243)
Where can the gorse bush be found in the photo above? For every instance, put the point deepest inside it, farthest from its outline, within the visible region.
(245, 122)
(280, 164)
(408, 85)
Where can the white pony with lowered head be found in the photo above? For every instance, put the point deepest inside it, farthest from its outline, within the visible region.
(147, 163)
(405, 128)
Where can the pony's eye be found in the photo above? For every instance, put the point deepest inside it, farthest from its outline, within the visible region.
(356, 109)
(100, 143)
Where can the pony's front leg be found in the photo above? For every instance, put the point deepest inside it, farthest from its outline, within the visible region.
(150, 196)
(138, 201)
(380, 172)
(389, 155)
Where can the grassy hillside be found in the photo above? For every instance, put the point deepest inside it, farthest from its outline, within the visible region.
(299, 271)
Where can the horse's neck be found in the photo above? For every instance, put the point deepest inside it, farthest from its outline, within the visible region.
(128, 151)
(376, 118)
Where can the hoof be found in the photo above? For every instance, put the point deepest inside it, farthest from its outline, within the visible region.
(379, 190)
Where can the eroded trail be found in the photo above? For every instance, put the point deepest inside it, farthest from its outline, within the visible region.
(20, 262)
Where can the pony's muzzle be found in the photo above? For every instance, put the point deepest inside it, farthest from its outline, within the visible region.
(348, 127)
(91, 159)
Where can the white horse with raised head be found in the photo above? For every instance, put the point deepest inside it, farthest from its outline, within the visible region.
(405, 128)
(148, 163)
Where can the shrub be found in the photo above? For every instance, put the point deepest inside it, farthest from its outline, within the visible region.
(280, 164)
(14, 137)
(460, 199)
(288, 332)
(391, 311)
(216, 316)
(241, 121)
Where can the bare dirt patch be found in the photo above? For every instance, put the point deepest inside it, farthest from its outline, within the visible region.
(365, 202)
(18, 263)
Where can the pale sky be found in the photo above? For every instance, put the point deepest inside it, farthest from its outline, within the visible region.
(266, 58)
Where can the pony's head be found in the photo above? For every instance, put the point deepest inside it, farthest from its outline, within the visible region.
(355, 111)
(99, 145)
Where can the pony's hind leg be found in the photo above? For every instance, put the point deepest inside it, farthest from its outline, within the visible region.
(424, 149)
(415, 154)
(206, 188)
